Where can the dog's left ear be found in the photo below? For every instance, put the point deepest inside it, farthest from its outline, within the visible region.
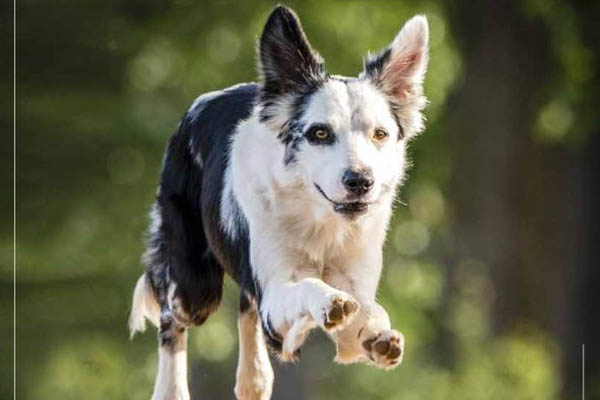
(399, 69)
(287, 61)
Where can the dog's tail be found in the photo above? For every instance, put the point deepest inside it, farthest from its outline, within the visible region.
(144, 306)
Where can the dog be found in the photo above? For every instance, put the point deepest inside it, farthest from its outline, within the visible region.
(288, 186)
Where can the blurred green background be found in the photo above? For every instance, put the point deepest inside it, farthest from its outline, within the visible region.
(490, 266)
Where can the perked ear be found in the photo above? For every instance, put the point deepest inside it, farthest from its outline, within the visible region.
(399, 70)
(287, 61)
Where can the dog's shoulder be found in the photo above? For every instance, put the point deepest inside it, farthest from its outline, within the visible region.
(211, 120)
(223, 106)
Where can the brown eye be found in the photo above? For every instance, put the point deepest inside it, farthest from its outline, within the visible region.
(321, 134)
(379, 135)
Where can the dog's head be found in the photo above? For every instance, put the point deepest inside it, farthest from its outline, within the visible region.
(344, 138)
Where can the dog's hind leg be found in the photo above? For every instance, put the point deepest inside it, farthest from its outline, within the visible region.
(186, 281)
(254, 376)
(171, 381)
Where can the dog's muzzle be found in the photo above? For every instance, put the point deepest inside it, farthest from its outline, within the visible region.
(350, 209)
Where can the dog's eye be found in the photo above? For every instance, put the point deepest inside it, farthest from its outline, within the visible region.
(379, 135)
(320, 134)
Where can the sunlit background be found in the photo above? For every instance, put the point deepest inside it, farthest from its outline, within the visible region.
(489, 271)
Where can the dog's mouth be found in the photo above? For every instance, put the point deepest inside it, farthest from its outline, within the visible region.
(352, 208)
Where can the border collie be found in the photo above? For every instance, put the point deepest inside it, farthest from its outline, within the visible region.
(287, 185)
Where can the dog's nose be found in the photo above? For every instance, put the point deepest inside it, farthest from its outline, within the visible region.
(356, 182)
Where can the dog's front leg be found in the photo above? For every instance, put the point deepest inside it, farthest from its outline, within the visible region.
(370, 338)
(291, 307)
(294, 308)
(292, 300)
(254, 375)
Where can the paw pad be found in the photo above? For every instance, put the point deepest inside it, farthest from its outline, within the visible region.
(339, 312)
(385, 349)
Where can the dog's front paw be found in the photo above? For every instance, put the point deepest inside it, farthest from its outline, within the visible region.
(385, 349)
(339, 311)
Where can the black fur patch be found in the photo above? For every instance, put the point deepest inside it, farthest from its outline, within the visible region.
(289, 66)
(245, 302)
(291, 149)
(189, 247)
(374, 66)
(292, 133)
(288, 62)
(169, 331)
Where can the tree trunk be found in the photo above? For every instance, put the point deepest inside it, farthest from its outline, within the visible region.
(520, 205)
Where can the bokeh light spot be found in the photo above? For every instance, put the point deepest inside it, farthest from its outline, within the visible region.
(427, 204)
(215, 341)
(411, 238)
(223, 45)
(153, 65)
(554, 121)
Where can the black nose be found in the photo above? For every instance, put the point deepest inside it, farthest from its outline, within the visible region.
(358, 183)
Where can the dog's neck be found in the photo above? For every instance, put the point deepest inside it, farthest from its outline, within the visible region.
(316, 230)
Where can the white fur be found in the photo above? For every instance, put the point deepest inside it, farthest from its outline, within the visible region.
(144, 306)
(371, 321)
(300, 247)
(171, 380)
(230, 214)
(155, 218)
(353, 110)
(303, 253)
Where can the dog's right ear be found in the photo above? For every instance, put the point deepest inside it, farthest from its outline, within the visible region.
(288, 63)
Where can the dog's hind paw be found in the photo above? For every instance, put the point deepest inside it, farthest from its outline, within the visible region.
(386, 349)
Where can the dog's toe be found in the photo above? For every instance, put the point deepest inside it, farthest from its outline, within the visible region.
(339, 312)
(336, 313)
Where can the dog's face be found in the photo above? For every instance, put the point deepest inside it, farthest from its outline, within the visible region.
(344, 137)
(352, 150)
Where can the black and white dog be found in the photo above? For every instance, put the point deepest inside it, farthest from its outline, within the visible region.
(286, 185)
